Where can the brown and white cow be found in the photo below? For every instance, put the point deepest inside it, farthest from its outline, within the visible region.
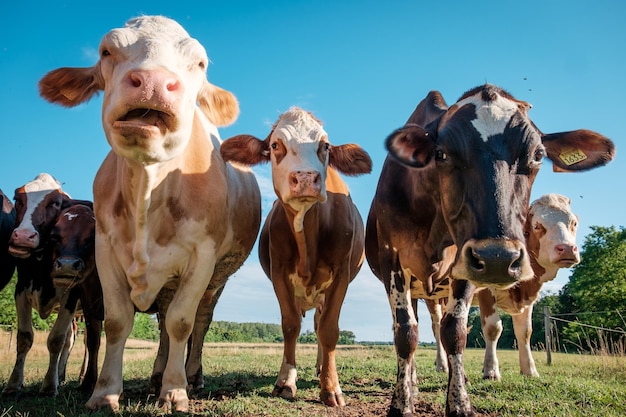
(72, 241)
(170, 213)
(7, 224)
(550, 232)
(38, 205)
(311, 245)
(460, 177)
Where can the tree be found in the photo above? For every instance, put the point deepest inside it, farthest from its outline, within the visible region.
(597, 287)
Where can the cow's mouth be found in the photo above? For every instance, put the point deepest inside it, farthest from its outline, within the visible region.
(567, 262)
(65, 281)
(145, 117)
(21, 252)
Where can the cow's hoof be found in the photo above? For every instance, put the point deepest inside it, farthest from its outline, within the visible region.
(394, 412)
(286, 392)
(461, 414)
(108, 401)
(11, 392)
(491, 376)
(332, 399)
(49, 391)
(195, 382)
(176, 397)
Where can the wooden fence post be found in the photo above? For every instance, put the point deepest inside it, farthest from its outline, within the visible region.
(546, 325)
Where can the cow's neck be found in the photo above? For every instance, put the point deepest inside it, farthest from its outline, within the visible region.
(548, 274)
(145, 177)
(526, 291)
(304, 226)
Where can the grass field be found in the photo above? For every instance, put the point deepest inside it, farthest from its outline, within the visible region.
(239, 380)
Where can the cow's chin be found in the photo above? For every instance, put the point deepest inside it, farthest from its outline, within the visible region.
(148, 149)
(20, 252)
(66, 281)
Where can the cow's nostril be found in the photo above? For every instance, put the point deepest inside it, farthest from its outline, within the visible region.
(475, 260)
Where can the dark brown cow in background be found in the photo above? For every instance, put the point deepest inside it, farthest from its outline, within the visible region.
(7, 224)
(72, 242)
(311, 245)
(461, 178)
(38, 205)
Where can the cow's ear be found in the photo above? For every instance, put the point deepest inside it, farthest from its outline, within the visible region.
(70, 87)
(578, 150)
(245, 149)
(411, 145)
(350, 159)
(218, 105)
(87, 203)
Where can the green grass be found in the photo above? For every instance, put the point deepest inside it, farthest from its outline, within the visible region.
(239, 381)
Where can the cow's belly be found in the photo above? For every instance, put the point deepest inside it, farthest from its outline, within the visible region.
(510, 306)
(309, 296)
(43, 305)
(188, 257)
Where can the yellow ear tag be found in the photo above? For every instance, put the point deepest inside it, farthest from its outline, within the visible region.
(572, 156)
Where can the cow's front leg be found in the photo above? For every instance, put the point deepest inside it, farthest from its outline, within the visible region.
(119, 312)
(204, 317)
(285, 385)
(523, 328)
(454, 338)
(179, 324)
(56, 343)
(93, 331)
(327, 337)
(434, 308)
(405, 332)
(164, 298)
(492, 329)
(25, 337)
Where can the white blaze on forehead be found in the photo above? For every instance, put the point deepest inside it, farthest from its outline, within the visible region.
(36, 191)
(493, 116)
(296, 127)
(42, 182)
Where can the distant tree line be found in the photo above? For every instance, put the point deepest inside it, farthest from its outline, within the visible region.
(146, 327)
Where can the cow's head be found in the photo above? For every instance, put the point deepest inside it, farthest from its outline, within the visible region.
(37, 206)
(486, 153)
(72, 241)
(300, 154)
(551, 232)
(153, 75)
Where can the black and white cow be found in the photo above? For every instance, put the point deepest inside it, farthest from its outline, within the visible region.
(38, 205)
(458, 179)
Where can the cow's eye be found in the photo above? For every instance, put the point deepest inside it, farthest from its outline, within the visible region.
(440, 156)
(274, 146)
(105, 53)
(202, 65)
(540, 153)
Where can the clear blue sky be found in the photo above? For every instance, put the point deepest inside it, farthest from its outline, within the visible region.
(361, 66)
